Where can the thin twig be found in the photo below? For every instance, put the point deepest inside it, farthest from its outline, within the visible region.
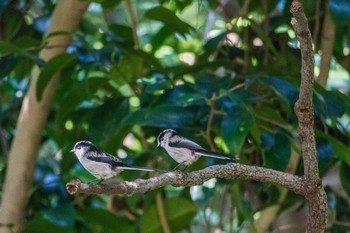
(266, 30)
(245, 7)
(232, 212)
(133, 23)
(206, 221)
(317, 22)
(327, 43)
(230, 90)
(4, 142)
(223, 206)
(162, 215)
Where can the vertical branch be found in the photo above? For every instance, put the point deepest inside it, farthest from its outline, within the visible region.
(4, 142)
(161, 212)
(317, 22)
(266, 29)
(137, 45)
(328, 33)
(304, 106)
(133, 23)
(304, 110)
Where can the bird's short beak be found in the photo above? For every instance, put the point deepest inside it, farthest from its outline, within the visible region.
(72, 150)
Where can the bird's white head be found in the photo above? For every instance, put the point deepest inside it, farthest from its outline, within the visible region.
(164, 137)
(82, 147)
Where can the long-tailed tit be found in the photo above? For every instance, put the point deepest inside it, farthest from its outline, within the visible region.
(100, 164)
(183, 150)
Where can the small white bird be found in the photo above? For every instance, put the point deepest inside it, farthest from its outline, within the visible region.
(100, 164)
(183, 150)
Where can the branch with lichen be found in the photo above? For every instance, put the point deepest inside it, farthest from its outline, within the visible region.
(230, 171)
(315, 194)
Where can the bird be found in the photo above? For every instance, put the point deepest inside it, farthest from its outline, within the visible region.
(101, 164)
(183, 150)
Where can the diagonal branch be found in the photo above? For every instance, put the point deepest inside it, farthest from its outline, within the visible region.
(178, 178)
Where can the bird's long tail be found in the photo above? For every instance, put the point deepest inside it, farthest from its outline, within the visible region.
(216, 155)
(147, 169)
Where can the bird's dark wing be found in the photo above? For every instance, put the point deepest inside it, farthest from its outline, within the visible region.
(113, 161)
(181, 142)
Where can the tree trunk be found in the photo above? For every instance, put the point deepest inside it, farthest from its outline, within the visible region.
(31, 121)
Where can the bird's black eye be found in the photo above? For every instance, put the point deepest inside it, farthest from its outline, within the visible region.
(78, 147)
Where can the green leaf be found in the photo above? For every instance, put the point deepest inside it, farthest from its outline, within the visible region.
(63, 215)
(339, 149)
(7, 47)
(329, 104)
(344, 171)
(103, 221)
(340, 10)
(27, 42)
(148, 58)
(271, 115)
(42, 225)
(57, 33)
(127, 69)
(123, 33)
(325, 155)
(155, 83)
(213, 43)
(106, 119)
(107, 4)
(54, 65)
(7, 64)
(244, 209)
(277, 150)
(162, 116)
(3, 5)
(235, 127)
(169, 18)
(179, 213)
(184, 95)
(283, 88)
(159, 38)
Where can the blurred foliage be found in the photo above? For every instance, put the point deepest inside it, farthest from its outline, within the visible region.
(223, 76)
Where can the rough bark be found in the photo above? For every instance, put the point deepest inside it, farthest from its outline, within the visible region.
(179, 178)
(314, 192)
(31, 121)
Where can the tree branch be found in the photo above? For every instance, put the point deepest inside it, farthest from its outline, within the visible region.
(327, 42)
(229, 171)
(161, 213)
(133, 23)
(304, 110)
